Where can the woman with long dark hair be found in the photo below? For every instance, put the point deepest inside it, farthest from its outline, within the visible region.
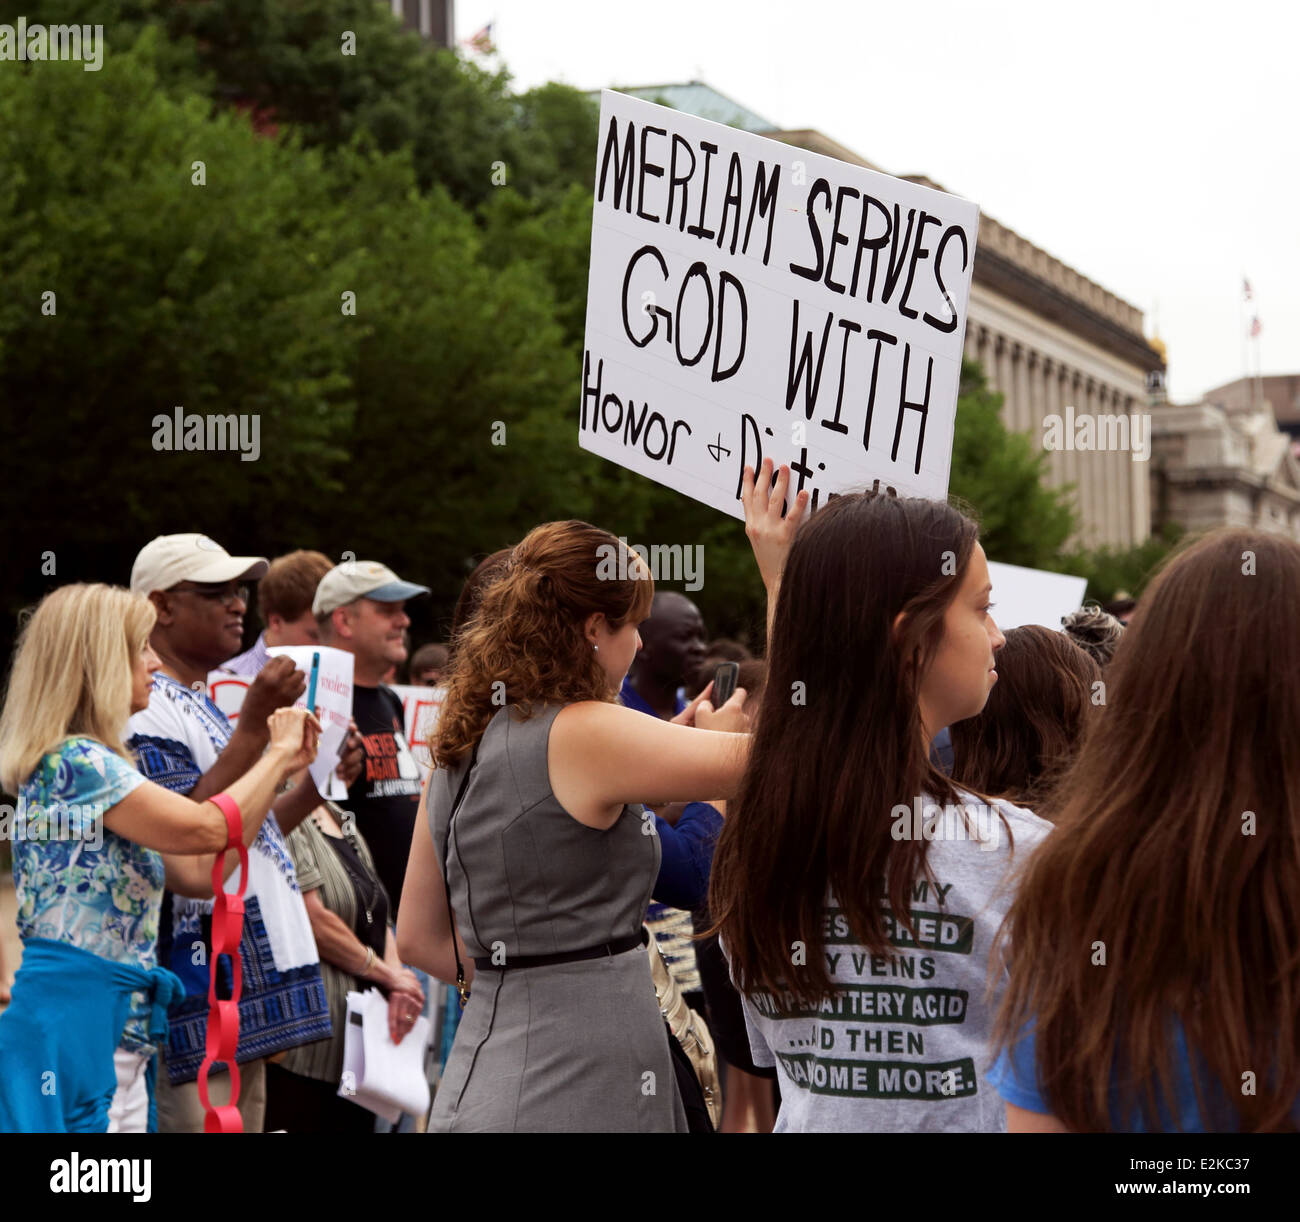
(1154, 943)
(856, 889)
(536, 833)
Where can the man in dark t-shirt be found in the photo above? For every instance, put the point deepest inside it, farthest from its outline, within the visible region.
(360, 607)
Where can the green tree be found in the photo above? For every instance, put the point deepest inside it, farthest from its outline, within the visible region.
(1000, 475)
(1110, 570)
(175, 247)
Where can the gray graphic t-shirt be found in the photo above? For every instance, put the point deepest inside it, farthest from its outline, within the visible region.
(902, 1046)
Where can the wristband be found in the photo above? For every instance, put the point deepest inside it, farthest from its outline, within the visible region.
(223, 1016)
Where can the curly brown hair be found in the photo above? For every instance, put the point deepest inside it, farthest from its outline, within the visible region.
(527, 631)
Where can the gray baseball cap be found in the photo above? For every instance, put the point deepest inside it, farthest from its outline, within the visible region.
(354, 579)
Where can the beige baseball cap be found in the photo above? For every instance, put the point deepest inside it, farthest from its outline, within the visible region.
(354, 579)
(170, 559)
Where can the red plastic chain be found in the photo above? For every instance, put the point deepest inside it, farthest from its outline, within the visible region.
(223, 1016)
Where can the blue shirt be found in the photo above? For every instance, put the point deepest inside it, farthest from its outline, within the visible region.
(1015, 1078)
(79, 883)
(57, 1036)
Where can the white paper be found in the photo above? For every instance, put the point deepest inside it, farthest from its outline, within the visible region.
(334, 699)
(420, 708)
(693, 424)
(383, 1077)
(1033, 596)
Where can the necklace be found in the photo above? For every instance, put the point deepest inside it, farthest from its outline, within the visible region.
(371, 899)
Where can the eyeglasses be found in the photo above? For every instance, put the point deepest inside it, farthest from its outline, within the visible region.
(222, 594)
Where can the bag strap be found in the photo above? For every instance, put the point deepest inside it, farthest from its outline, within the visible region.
(461, 987)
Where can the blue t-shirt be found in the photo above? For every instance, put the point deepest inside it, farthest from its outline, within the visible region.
(76, 881)
(1015, 1078)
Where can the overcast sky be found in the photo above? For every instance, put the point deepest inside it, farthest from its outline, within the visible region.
(1152, 146)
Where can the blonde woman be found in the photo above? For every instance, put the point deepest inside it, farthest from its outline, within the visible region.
(95, 843)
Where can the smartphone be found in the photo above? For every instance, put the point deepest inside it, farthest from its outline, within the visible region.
(724, 683)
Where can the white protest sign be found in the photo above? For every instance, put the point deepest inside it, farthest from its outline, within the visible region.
(1033, 596)
(749, 299)
(227, 692)
(420, 708)
(334, 699)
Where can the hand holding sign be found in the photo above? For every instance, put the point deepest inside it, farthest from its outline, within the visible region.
(770, 534)
(279, 684)
(333, 699)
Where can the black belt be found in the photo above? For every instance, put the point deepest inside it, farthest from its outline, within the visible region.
(616, 947)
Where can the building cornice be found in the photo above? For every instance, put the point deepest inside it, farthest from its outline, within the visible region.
(1003, 274)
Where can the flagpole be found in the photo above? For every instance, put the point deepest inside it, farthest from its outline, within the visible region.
(1241, 326)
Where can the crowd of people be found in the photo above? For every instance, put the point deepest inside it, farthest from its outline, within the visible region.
(913, 874)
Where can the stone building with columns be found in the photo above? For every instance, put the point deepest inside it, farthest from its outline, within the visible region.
(1224, 464)
(1050, 339)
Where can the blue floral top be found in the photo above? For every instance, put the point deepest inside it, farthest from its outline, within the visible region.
(78, 882)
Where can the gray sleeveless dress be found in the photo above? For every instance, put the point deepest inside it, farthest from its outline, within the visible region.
(561, 1048)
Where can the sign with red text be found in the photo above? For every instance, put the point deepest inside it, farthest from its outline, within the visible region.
(751, 299)
(420, 706)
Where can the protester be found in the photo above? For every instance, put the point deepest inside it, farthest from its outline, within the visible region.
(184, 742)
(548, 864)
(284, 599)
(1094, 630)
(349, 912)
(857, 923)
(1029, 731)
(94, 846)
(1154, 943)
(672, 651)
(427, 664)
(360, 607)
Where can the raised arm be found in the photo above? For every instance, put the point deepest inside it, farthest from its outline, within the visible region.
(603, 756)
(770, 534)
(176, 825)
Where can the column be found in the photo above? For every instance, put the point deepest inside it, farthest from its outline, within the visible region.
(1034, 370)
(997, 378)
(1111, 491)
(1140, 521)
(1024, 413)
(1052, 407)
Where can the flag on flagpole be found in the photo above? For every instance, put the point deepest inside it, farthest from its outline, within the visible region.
(1255, 327)
(1246, 293)
(482, 41)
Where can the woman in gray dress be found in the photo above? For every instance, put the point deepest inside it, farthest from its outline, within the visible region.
(550, 857)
